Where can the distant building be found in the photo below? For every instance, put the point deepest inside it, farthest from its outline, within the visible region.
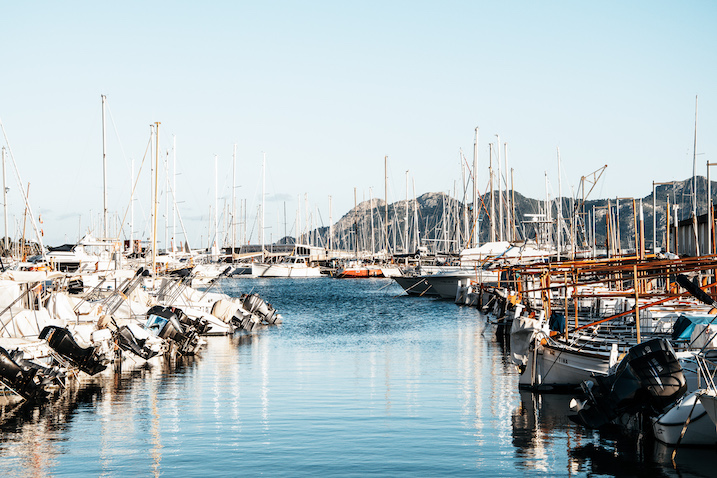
(686, 237)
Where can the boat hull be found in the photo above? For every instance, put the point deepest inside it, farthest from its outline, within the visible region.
(416, 285)
(699, 432)
(259, 269)
(556, 368)
(446, 285)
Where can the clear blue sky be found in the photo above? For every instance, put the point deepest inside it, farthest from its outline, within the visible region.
(327, 89)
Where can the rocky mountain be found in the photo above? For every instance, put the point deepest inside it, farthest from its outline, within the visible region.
(442, 223)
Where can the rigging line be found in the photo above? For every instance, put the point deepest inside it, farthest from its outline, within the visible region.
(22, 190)
(176, 208)
(136, 181)
(114, 126)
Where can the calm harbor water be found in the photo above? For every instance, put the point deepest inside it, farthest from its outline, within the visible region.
(359, 380)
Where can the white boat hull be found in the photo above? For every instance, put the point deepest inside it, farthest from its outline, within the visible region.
(708, 398)
(700, 431)
(558, 367)
(446, 285)
(260, 269)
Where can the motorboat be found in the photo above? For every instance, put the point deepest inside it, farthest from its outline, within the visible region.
(290, 266)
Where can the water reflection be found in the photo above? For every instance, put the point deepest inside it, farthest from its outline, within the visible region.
(420, 389)
(541, 426)
(33, 436)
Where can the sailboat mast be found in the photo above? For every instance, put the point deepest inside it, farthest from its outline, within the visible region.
(104, 169)
(263, 187)
(405, 243)
(560, 206)
(385, 175)
(474, 240)
(174, 192)
(131, 208)
(331, 226)
(694, 167)
(500, 193)
(4, 199)
(156, 198)
(356, 225)
(509, 222)
(215, 244)
(166, 201)
(373, 244)
(234, 201)
(492, 193)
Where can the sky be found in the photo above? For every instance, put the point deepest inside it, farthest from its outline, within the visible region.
(326, 90)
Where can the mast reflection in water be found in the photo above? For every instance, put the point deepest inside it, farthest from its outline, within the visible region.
(359, 380)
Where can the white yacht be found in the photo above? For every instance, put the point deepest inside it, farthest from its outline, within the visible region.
(291, 266)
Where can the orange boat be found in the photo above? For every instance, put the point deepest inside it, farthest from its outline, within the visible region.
(359, 271)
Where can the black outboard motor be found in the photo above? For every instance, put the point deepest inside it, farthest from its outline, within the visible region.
(62, 342)
(648, 379)
(21, 380)
(201, 326)
(48, 376)
(164, 322)
(126, 340)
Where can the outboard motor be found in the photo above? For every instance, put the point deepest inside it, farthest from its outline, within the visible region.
(648, 379)
(136, 342)
(164, 322)
(21, 380)
(49, 376)
(256, 305)
(62, 342)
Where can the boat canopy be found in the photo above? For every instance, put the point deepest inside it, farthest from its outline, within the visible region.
(31, 276)
(685, 325)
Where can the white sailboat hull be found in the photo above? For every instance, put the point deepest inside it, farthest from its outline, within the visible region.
(446, 285)
(260, 269)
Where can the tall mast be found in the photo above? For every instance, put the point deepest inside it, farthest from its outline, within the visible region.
(694, 168)
(331, 226)
(234, 201)
(104, 169)
(385, 174)
(405, 244)
(492, 193)
(307, 218)
(174, 192)
(4, 198)
(131, 208)
(560, 206)
(356, 225)
(156, 198)
(24, 196)
(474, 240)
(500, 193)
(416, 230)
(166, 201)
(263, 187)
(509, 222)
(464, 234)
(373, 244)
(215, 244)
(548, 211)
(298, 219)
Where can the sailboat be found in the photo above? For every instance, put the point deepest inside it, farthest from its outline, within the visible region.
(290, 266)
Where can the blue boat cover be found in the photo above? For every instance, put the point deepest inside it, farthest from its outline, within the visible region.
(685, 324)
